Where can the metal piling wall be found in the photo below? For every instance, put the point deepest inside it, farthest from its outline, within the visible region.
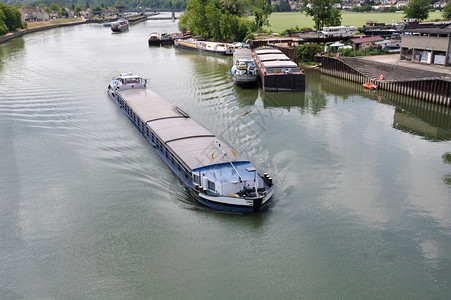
(436, 90)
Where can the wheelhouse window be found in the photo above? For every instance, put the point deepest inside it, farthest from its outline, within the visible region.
(196, 179)
(211, 185)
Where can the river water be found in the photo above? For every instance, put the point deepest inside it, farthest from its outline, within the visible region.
(362, 208)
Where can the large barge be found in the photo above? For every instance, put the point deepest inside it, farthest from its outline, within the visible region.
(211, 171)
(277, 72)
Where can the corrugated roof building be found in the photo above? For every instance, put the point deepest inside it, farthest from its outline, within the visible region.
(365, 42)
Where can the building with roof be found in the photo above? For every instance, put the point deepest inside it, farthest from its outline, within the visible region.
(33, 14)
(366, 42)
(427, 45)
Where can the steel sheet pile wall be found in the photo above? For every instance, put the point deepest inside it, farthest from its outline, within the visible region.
(437, 90)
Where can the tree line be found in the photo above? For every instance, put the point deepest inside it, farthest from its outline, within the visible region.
(128, 4)
(10, 19)
(224, 20)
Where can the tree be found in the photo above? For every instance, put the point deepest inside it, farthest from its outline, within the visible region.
(261, 10)
(323, 13)
(3, 28)
(447, 11)
(54, 7)
(334, 18)
(12, 17)
(418, 9)
(307, 52)
(235, 7)
(211, 20)
(283, 5)
(97, 10)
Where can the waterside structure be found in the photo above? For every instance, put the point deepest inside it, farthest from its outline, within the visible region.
(277, 72)
(423, 84)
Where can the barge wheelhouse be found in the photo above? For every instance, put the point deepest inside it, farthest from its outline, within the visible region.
(213, 173)
(277, 72)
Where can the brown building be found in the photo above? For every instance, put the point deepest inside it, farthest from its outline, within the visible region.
(427, 45)
(365, 42)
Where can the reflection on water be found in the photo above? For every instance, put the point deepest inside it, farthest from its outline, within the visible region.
(8, 53)
(284, 100)
(246, 96)
(426, 119)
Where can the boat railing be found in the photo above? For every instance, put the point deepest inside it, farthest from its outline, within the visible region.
(181, 112)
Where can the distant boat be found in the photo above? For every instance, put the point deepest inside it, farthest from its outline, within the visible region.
(157, 39)
(212, 47)
(119, 26)
(166, 39)
(154, 39)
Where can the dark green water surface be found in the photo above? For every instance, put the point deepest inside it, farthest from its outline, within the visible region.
(362, 208)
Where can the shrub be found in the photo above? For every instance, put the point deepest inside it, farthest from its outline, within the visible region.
(307, 52)
(3, 29)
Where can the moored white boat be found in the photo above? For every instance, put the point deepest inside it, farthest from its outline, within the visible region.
(244, 70)
(212, 172)
(339, 31)
(207, 46)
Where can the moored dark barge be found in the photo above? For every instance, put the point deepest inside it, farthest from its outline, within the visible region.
(277, 72)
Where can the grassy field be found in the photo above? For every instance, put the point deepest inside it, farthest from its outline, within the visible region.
(281, 21)
(32, 25)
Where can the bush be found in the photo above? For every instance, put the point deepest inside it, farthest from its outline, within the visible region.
(346, 52)
(3, 29)
(365, 52)
(290, 30)
(306, 53)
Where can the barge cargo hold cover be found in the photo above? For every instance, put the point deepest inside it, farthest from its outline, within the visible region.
(277, 72)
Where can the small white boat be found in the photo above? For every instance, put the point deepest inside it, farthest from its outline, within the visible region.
(244, 70)
(119, 26)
